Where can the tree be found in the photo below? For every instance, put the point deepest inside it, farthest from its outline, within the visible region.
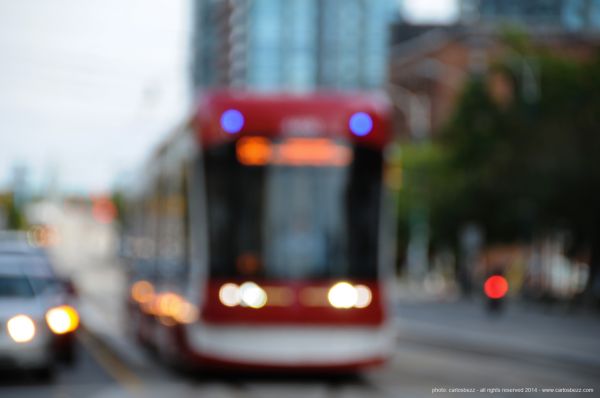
(520, 167)
(15, 217)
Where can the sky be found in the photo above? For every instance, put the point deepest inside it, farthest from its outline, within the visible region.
(88, 88)
(429, 11)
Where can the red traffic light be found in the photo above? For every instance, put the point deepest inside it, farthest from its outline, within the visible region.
(495, 287)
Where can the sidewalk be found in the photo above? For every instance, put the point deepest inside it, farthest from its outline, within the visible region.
(523, 329)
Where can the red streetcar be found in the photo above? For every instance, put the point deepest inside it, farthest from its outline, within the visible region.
(259, 235)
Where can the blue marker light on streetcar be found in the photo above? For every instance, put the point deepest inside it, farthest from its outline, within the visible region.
(232, 121)
(361, 124)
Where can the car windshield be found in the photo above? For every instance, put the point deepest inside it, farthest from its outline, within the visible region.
(33, 270)
(46, 285)
(15, 287)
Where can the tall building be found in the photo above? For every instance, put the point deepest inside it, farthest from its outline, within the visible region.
(567, 15)
(293, 44)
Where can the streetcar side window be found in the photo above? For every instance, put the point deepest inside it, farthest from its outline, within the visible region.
(173, 264)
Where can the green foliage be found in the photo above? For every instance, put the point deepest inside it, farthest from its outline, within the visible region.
(119, 202)
(515, 38)
(520, 168)
(427, 186)
(15, 217)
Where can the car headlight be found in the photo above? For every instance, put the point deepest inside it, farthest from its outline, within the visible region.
(63, 319)
(342, 295)
(21, 328)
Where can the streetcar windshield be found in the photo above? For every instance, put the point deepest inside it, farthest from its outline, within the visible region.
(281, 221)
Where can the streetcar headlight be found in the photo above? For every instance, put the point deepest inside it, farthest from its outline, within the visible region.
(342, 295)
(229, 294)
(252, 295)
(63, 319)
(363, 296)
(21, 328)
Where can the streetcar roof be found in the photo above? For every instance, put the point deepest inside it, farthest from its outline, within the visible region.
(283, 115)
(273, 115)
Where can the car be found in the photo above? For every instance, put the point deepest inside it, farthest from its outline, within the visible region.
(17, 243)
(36, 314)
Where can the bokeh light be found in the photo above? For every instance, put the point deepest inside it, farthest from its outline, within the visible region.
(232, 121)
(361, 124)
(63, 319)
(21, 328)
(495, 287)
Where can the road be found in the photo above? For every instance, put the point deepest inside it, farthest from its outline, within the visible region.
(84, 378)
(420, 364)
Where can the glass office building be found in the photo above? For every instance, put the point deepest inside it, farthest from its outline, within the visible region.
(293, 45)
(566, 15)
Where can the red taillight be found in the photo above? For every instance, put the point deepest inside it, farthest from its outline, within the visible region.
(495, 287)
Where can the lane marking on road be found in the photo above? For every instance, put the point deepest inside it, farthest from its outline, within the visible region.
(110, 362)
